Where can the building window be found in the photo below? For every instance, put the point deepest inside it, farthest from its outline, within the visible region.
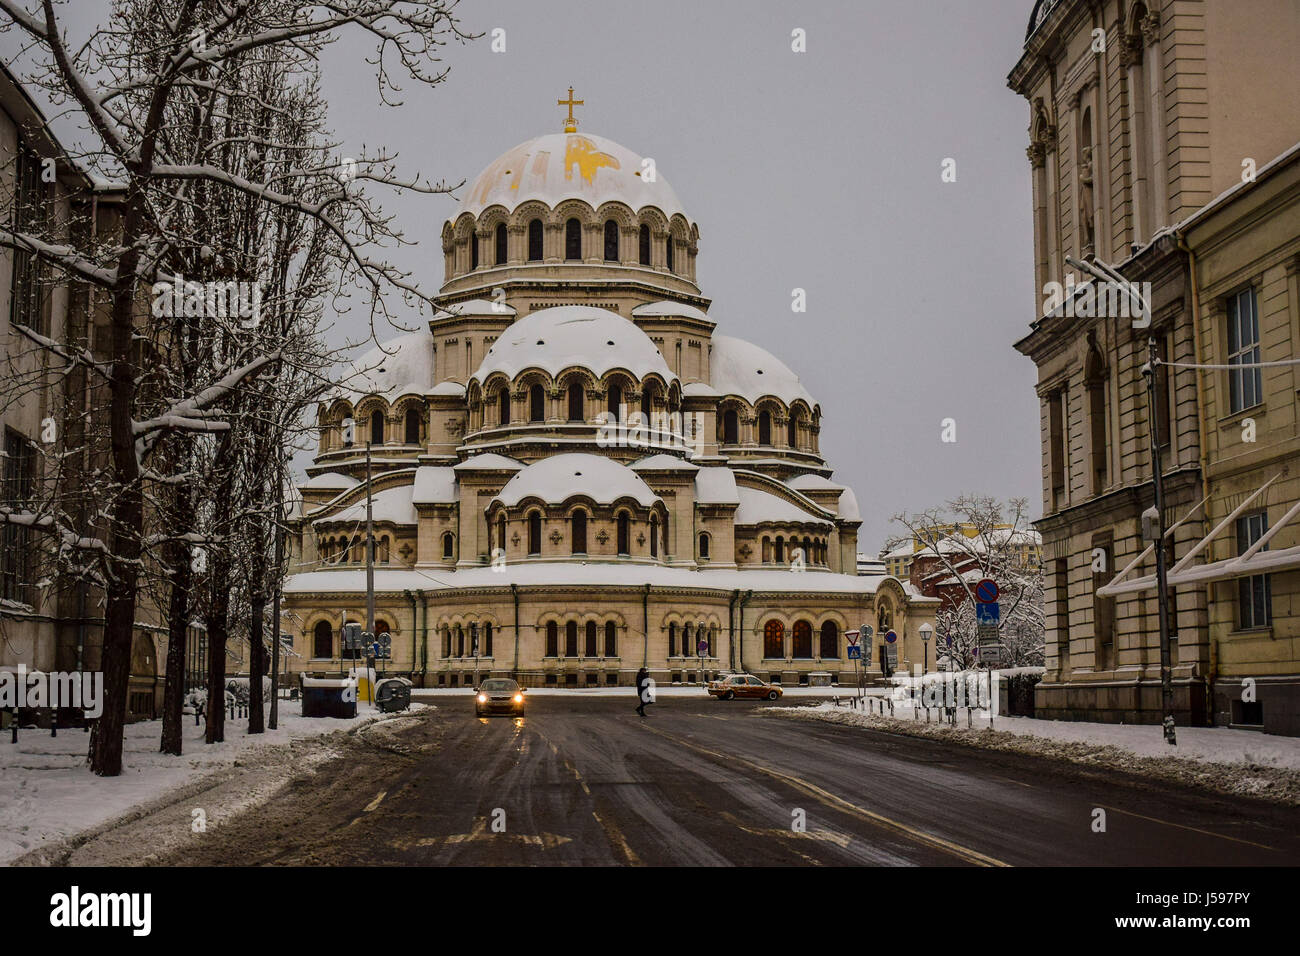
(473, 251)
(571, 639)
(668, 252)
(704, 546)
(501, 533)
(1245, 385)
(536, 404)
(448, 545)
(504, 401)
(535, 241)
(26, 299)
(412, 427)
(501, 244)
(672, 640)
(1100, 431)
(611, 639)
(1103, 611)
(322, 641)
(730, 427)
(19, 486)
(1061, 595)
(773, 640)
(615, 403)
(376, 427)
(590, 645)
(802, 639)
(1056, 446)
(778, 551)
(792, 431)
(611, 241)
(643, 245)
(535, 533)
(579, 531)
(552, 639)
(624, 528)
(830, 642)
(573, 239)
(764, 428)
(1255, 593)
(576, 411)
(654, 536)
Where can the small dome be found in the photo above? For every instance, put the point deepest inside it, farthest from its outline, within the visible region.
(737, 367)
(557, 479)
(403, 364)
(760, 507)
(561, 166)
(574, 335)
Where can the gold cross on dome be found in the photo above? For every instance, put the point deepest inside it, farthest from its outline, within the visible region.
(570, 124)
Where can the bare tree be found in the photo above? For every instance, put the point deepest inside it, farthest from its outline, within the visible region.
(153, 86)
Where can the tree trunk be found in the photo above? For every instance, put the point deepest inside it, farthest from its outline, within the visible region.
(178, 613)
(257, 651)
(217, 623)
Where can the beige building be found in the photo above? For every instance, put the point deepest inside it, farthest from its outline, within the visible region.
(1163, 143)
(572, 473)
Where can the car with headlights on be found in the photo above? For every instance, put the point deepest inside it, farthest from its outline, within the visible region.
(499, 695)
(735, 686)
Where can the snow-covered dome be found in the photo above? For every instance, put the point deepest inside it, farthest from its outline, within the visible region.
(574, 335)
(561, 166)
(760, 507)
(557, 479)
(403, 364)
(737, 367)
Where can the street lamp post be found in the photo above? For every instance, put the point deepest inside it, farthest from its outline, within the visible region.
(927, 631)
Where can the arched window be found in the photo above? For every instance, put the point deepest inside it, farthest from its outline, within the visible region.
(668, 252)
(624, 528)
(611, 241)
(704, 546)
(573, 239)
(802, 639)
(579, 531)
(501, 244)
(589, 646)
(486, 649)
(504, 401)
(376, 427)
(501, 532)
(765, 427)
(536, 404)
(577, 412)
(383, 551)
(773, 640)
(535, 241)
(460, 641)
(672, 640)
(446, 642)
(322, 640)
(730, 427)
(473, 250)
(448, 545)
(412, 427)
(615, 396)
(830, 642)
(643, 245)
(611, 639)
(654, 536)
(792, 431)
(779, 550)
(645, 405)
(535, 533)
(552, 639)
(571, 639)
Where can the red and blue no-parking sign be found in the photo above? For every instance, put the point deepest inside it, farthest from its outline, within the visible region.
(986, 592)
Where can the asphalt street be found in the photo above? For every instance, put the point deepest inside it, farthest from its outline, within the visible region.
(584, 780)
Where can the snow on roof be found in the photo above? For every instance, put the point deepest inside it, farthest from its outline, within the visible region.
(490, 461)
(575, 574)
(330, 480)
(434, 484)
(700, 390)
(561, 477)
(813, 482)
(663, 463)
(574, 335)
(716, 486)
(664, 307)
(904, 550)
(480, 307)
(559, 166)
(391, 504)
(848, 506)
(760, 507)
(403, 364)
(448, 388)
(742, 368)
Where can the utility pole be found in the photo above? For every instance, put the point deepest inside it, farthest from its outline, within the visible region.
(1158, 537)
(370, 572)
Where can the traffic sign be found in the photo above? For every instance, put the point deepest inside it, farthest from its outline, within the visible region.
(990, 655)
(986, 634)
(988, 613)
(855, 652)
(702, 647)
(890, 637)
(986, 591)
(866, 631)
(386, 639)
(852, 637)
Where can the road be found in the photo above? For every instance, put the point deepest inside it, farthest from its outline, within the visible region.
(584, 780)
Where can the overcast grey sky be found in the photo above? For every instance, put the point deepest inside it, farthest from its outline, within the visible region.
(818, 170)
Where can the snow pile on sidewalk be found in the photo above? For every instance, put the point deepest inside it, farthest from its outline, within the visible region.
(47, 792)
(1240, 762)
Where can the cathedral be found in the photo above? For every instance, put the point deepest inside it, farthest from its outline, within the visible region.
(570, 474)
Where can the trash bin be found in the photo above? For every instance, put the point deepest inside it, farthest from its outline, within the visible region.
(329, 697)
(393, 693)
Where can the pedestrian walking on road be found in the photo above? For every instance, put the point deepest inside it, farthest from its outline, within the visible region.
(642, 688)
